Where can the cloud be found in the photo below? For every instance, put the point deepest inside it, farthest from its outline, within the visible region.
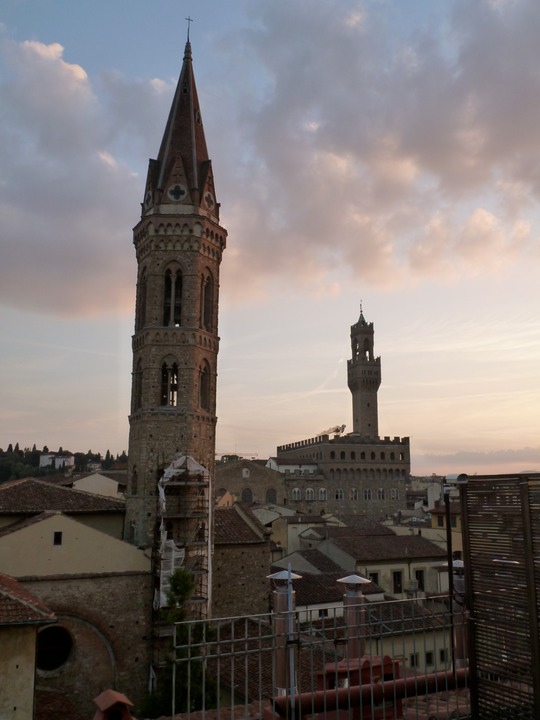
(344, 153)
(67, 194)
(525, 459)
(391, 160)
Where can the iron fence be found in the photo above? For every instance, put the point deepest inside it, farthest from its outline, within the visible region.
(398, 660)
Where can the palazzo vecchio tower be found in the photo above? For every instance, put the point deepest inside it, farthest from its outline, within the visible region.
(179, 243)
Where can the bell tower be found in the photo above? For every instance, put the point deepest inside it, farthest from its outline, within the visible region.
(178, 243)
(364, 379)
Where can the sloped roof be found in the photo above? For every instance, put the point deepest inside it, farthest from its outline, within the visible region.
(324, 588)
(26, 522)
(236, 525)
(30, 496)
(358, 525)
(19, 607)
(391, 547)
(320, 561)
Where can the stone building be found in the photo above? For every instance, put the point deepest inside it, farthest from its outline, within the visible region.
(64, 546)
(250, 482)
(21, 615)
(358, 472)
(179, 244)
(241, 563)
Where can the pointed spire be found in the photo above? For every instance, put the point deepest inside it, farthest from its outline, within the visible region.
(361, 319)
(182, 174)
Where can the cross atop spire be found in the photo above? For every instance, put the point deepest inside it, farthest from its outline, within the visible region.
(189, 21)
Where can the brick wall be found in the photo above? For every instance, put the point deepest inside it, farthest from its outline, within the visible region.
(240, 585)
(108, 617)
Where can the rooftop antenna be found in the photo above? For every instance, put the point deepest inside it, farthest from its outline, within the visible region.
(189, 21)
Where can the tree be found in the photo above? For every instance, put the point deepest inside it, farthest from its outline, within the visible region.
(203, 689)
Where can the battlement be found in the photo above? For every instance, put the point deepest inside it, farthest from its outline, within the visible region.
(349, 439)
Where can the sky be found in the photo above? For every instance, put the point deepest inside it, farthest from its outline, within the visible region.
(375, 153)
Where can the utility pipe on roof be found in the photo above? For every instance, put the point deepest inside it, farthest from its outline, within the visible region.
(371, 693)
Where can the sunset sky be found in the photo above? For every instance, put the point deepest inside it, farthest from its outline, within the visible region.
(384, 152)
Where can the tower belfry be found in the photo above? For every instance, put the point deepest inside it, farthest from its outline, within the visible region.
(364, 378)
(179, 244)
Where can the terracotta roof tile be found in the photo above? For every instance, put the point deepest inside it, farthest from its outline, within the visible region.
(370, 549)
(19, 607)
(320, 561)
(31, 496)
(236, 525)
(324, 588)
(358, 525)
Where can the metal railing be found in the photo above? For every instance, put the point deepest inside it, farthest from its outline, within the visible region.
(302, 663)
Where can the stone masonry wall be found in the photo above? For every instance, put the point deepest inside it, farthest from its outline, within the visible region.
(108, 617)
(240, 584)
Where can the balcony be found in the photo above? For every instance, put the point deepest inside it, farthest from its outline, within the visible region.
(396, 661)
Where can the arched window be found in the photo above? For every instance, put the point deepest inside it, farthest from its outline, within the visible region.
(247, 496)
(271, 496)
(332, 455)
(394, 494)
(381, 494)
(340, 495)
(322, 494)
(310, 494)
(169, 384)
(134, 481)
(367, 494)
(137, 386)
(141, 301)
(392, 456)
(354, 494)
(172, 298)
(366, 348)
(296, 494)
(362, 455)
(342, 455)
(373, 456)
(204, 386)
(383, 456)
(207, 301)
(353, 456)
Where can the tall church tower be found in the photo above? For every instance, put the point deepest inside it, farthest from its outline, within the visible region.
(179, 243)
(364, 379)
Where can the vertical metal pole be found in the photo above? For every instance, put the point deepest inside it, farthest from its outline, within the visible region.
(450, 558)
(290, 611)
(173, 694)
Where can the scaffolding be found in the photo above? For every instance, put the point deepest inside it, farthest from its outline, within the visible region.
(185, 531)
